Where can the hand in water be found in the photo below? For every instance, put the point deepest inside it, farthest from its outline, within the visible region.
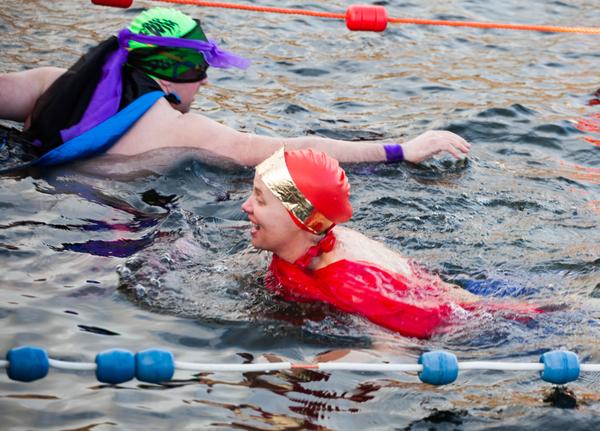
(434, 142)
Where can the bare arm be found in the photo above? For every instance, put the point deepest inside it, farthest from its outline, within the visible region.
(162, 126)
(19, 91)
(251, 149)
(416, 150)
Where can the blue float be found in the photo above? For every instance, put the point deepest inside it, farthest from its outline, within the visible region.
(27, 363)
(439, 367)
(560, 367)
(115, 366)
(154, 365)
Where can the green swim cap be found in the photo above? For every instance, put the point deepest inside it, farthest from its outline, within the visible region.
(161, 21)
(171, 64)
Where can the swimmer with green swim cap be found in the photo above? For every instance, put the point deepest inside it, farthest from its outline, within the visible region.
(132, 94)
(163, 53)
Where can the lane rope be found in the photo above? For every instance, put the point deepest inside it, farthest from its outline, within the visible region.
(29, 363)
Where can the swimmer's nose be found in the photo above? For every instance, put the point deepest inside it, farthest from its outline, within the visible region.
(204, 81)
(246, 206)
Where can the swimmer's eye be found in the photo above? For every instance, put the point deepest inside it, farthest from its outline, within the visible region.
(258, 196)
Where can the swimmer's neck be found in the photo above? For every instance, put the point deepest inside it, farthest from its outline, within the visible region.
(299, 245)
(296, 247)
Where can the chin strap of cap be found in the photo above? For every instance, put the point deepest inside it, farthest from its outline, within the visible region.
(324, 245)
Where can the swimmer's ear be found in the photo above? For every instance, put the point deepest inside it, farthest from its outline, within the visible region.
(166, 86)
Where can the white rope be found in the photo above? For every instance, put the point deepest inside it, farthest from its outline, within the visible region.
(242, 368)
(356, 366)
(501, 366)
(322, 366)
(76, 366)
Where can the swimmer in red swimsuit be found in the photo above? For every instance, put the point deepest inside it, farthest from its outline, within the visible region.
(298, 199)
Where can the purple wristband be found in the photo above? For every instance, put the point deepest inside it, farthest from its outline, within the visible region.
(394, 152)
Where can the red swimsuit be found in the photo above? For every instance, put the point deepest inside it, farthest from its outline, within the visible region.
(415, 308)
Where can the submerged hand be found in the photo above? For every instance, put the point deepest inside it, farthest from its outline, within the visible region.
(434, 142)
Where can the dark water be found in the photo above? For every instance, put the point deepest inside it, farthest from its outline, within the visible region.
(91, 263)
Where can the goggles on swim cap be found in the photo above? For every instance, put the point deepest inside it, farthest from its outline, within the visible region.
(209, 49)
(275, 175)
(171, 64)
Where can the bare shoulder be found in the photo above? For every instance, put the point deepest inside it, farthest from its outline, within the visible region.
(46, 75)
(353, 245)
(348, 243)
(164, 127)
(151, 131)
(36, 80)
(351, 240)
(19, 91)
(50, 74)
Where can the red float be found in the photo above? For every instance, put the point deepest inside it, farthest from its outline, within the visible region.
(366, 18)
(114, 3)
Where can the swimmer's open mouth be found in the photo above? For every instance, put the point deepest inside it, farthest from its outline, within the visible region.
(254, 228)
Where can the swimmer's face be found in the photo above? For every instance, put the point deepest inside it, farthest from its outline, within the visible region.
(272, 228)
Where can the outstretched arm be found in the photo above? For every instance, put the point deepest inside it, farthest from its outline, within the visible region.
(415, 151)
(19, 91)
(251, 149)
(162, 127)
